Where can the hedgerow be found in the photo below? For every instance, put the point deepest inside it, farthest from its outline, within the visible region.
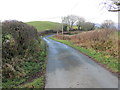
(20, 44)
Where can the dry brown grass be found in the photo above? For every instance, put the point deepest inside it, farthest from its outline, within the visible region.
(102, 40)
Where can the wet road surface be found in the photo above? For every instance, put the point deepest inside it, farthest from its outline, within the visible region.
(68, 68)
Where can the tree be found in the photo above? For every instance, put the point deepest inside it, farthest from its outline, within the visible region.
(65, 27)
(91, 26)
(22, 33)
(112, 5)
(86, 26)
(58, 28)
(70, 20)
(79, 22)
(108, 24)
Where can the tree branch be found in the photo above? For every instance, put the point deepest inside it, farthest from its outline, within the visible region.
(114, 10)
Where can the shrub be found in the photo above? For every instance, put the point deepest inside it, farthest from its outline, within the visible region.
(105, 40)
(17, 38)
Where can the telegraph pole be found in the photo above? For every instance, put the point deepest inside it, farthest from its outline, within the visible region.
(57, 32)
(62, 27)
(57, 29)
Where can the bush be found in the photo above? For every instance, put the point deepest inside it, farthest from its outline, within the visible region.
(86, 26)
(105, 40)
(19, 41)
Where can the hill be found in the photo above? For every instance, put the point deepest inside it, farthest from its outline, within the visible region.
(43, 25)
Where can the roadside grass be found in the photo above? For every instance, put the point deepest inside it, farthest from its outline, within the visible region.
(36, 83)
(30, 69)
(110, 62)
(43, 25)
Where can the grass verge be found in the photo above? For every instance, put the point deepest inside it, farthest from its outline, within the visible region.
(36, 83)
(107, 61)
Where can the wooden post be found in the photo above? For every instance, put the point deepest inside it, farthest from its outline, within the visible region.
(57, 32)
(62, 29)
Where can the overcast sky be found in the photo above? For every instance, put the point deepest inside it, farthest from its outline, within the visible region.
(53, 10)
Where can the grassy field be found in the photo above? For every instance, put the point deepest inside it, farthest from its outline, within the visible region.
(43, 25)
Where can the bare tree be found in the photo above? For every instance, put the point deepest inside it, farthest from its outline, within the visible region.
(112, 5)
(57, 28)
(108, 24)
(70, 20)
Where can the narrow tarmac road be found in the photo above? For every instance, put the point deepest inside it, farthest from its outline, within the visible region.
(68, 68)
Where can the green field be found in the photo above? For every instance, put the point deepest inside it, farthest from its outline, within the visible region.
(43, 25)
